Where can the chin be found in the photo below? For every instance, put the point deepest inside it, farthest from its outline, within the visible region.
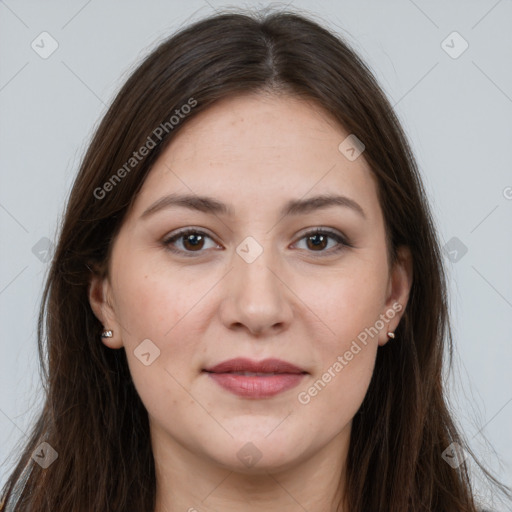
(268, 463)
(255, 452)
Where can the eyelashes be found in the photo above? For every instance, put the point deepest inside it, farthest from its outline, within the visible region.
(196, 239)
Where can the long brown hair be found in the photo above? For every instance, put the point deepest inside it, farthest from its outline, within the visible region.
(92, 415)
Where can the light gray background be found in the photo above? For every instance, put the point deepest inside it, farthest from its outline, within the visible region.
(456, 112)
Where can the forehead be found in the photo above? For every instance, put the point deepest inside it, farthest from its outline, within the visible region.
(284, 127)
(262, 148)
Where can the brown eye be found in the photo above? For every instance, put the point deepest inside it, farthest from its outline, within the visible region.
(193, 241)
(187, 242)
(319, 240)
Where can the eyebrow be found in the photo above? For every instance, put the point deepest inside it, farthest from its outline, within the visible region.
(210, 205)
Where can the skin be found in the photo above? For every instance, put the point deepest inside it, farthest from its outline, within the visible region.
(295, 302)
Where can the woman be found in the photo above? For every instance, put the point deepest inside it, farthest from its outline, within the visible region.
(249, 225)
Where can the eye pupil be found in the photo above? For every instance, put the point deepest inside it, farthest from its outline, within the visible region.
(194, 239)
(321, 243)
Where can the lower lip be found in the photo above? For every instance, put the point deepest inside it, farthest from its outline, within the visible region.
(256, 386)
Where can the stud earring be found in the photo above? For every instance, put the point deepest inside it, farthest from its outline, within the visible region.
(391, 335)
(107, 334)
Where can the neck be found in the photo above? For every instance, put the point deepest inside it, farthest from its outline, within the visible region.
(189, 482)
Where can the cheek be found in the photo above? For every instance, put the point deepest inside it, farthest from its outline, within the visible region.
(150, 309)
(334, 393)
(153, 304)
(346, 352)
(151, 300)
(347, 303)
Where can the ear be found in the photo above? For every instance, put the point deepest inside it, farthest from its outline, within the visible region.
(100, 292)
(397, 295)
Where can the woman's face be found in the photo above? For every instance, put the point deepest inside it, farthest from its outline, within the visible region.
(253, 280)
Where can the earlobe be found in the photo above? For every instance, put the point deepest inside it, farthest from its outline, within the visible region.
(99, 289)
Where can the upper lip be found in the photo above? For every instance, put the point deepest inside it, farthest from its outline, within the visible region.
(241, 364)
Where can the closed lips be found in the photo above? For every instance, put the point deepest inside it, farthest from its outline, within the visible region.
(255, 380)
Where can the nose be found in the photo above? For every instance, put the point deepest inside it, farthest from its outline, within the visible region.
(257, 298)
